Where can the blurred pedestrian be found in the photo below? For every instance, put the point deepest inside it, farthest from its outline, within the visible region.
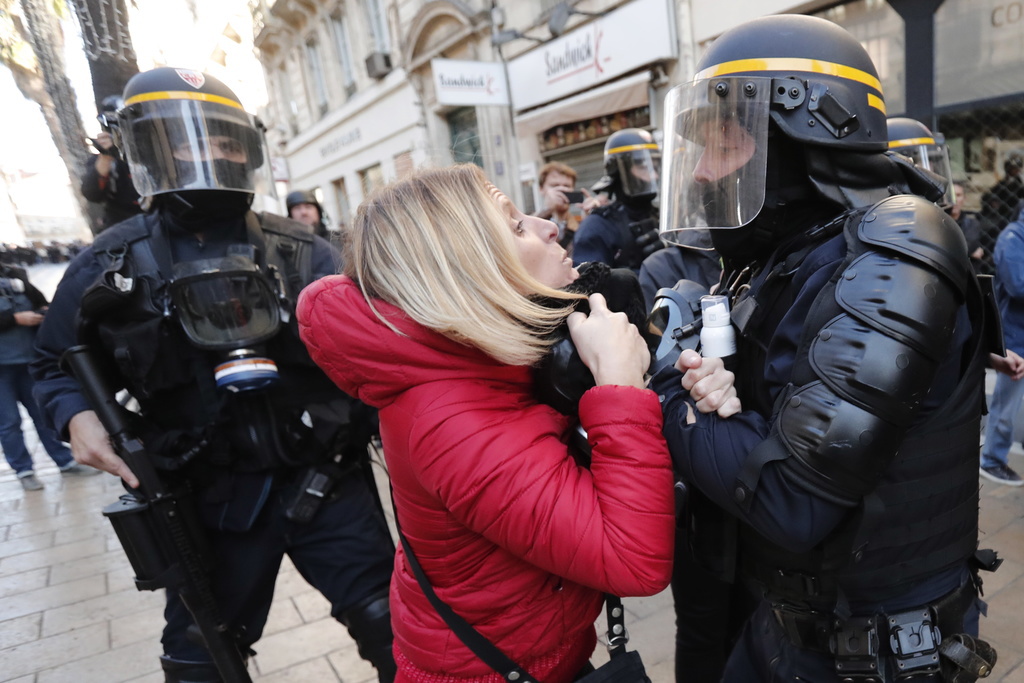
(1008, 192)
(304, 207)
(1009, 389)
(22, 308)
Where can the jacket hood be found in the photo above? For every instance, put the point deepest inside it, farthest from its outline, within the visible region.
(369, 360)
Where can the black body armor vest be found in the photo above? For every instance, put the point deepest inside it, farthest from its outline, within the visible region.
(127, 314)
(846, 429)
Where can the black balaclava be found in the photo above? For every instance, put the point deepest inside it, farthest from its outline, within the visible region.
(198, 211)
(791, 206)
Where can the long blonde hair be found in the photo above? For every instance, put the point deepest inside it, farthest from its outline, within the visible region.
(437, 246)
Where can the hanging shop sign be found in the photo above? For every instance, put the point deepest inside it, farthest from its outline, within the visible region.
(635, 35)
(464, 83)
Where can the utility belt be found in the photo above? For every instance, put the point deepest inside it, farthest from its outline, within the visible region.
(925, 641)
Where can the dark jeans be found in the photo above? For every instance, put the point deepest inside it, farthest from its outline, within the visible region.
(345, 552)
(710, 614)
(16, 387)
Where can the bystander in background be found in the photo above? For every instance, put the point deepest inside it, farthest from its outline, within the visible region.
(22, 307)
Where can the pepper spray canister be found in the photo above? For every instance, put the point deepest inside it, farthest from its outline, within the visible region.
(717, 336)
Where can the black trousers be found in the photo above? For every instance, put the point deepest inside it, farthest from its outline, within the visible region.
(345, 552)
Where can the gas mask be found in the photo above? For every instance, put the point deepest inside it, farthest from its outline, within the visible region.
(228, 305)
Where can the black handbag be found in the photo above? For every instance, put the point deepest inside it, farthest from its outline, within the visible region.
(623, 667)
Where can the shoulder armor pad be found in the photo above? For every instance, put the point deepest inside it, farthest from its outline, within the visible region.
(285, 226)
(893, 313)
(918, 229)
(907, 273)
(131, 230)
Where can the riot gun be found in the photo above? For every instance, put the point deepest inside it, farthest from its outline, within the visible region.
(158, 526)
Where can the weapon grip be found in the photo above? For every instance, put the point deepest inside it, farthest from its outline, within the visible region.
(83, 367)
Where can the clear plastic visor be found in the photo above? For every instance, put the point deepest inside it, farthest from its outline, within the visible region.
(934, 158)
(221, 306)
(175, 145)
(639, 172)
(716, 134)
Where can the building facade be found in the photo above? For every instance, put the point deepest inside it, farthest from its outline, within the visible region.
(360, 91)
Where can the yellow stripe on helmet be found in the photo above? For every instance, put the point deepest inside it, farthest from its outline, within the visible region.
(911, 142)
(182, 95)
(876, 102)
(816, 66)
(632, 148)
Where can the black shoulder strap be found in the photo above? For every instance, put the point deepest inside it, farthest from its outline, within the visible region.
(487, 651)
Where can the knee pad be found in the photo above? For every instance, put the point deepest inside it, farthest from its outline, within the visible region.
(181, 671)
(369, 623)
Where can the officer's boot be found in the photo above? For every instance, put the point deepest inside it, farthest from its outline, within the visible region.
(180, 671)
(369, 624)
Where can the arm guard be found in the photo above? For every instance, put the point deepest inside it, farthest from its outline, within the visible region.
(891, 311)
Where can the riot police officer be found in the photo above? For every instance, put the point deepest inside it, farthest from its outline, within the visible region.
(624, 232)
(848, 479)
(304, 207)
(189, 307)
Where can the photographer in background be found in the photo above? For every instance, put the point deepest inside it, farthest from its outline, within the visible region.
(106, 179)
(563, 204)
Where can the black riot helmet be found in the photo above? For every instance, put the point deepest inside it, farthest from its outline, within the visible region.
(801, 86)
(184, 130)
(632, 161)
(297, 197)
(913, 139)
(109, 106)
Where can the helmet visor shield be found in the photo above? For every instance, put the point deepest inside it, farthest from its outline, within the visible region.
(224, 303)
(935, 158)
(638, 171)
(185, 144)
(716, 134)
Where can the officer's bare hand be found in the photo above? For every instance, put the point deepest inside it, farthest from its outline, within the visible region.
(28, 318)
(1012, 365)
(90, 444)
(711, 386)
(610, 345)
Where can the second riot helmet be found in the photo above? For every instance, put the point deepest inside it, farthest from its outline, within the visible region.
(632, 159)
(913, 139)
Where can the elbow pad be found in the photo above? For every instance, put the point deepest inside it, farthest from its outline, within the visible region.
(869, 367)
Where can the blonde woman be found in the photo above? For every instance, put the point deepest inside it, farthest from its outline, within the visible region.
(437, 322)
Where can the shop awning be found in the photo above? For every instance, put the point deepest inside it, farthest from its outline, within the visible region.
(625, 93)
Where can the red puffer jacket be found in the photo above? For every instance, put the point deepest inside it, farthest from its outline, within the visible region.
(512, 534)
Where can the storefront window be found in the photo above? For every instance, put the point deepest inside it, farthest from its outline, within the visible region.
(979, 50)
(371, 178)
(880, 30)
(465, 136)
